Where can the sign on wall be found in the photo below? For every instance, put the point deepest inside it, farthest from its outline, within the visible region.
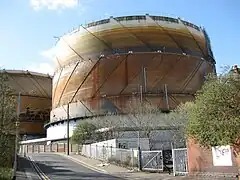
(222, 156)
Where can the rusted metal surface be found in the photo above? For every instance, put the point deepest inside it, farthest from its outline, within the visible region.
(177, 57)
(36, 92)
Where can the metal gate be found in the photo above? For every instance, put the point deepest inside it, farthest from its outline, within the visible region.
(152, 160)
(180, 161)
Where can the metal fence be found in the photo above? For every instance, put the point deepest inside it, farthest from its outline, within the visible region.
(126, 157)
(180, 161)
(53, 147)
(152, 160)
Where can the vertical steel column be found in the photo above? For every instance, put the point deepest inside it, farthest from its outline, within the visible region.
(144, 79)
(68, 129)
(166, 95)
(141, 96)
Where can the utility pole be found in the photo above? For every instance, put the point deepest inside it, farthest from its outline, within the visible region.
(68, 129)
(17, 132)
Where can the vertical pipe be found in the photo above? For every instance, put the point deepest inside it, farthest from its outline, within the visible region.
(166, 95)
(144, 80)
(68, 129)
(141, 93)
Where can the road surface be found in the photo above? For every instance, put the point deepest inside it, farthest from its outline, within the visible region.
(54, 166)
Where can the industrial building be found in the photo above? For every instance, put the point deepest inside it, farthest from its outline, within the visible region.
(102, 66)
(34, 93)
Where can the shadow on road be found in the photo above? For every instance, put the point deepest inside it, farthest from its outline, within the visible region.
(57, 167)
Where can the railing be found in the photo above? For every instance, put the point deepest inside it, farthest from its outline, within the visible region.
(180, 161)
(126, 157)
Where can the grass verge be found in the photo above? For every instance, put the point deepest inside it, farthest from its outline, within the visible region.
(6, 173)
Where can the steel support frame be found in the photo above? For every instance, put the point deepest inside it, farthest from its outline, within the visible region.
(191, 76)
(174, 99)
(73, 49)
(194, 39)
(157, 54)
(169, 70)
(166, 32)
(65, 86)
(38, 84)
(94, 66)
(102, 41)
(23, 90)
(26, 75)
(54, 94)
(105, 80)
(134, 35)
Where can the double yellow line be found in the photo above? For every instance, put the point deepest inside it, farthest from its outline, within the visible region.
(37, 169)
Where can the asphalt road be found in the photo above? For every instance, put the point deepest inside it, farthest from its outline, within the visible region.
(53, 166)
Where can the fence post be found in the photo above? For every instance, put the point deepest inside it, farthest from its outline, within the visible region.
(173, 158)
(90, 153)
(38, 148)
(132, 156)
(96, 152)
(27, 148)
(77, 148)
(44, 148)
(103, 152)
(111, 152)
(139, 158)
(57, 147)
(51, 147)
(33, 148)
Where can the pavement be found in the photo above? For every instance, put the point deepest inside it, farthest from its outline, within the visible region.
(51, 166)
(54, 166)
(118, 171)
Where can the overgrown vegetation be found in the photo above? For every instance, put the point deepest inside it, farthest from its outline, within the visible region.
(214, 118)
(6, 173)
(85, 133)
(7, 125)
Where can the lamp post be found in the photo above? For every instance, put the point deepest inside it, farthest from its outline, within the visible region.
(68, 129)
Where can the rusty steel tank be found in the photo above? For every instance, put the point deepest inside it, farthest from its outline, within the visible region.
(35, 92)
(103, 65)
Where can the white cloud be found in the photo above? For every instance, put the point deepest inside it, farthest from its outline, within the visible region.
(44, 67)
(53, 4)
(49, 54)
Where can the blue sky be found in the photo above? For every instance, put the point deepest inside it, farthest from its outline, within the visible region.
(28, 26)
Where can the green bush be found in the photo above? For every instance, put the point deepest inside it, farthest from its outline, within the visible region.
(6, 173)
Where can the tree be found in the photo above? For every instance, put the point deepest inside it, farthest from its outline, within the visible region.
(8, 118)
(84, 132)
(143, 120)
(214, 118)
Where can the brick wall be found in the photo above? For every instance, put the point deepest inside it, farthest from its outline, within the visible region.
(200, 162)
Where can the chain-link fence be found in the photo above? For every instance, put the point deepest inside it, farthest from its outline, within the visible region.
(180, 161)
(126, 157)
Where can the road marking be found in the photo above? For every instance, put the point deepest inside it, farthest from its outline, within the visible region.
(84, 164)
(38, 170)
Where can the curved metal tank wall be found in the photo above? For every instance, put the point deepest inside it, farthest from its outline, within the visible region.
(35, 100)
(102, 65)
